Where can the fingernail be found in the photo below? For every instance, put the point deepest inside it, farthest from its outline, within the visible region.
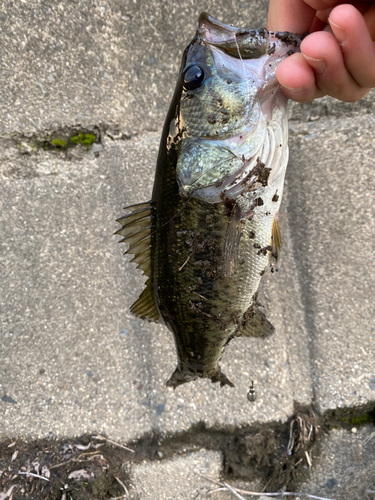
(318, 65)
(294, 91)
(338, 32)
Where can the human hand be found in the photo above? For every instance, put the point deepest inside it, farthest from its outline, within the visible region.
(337, 58)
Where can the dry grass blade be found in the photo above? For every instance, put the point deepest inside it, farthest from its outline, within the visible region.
(33, 475)
(102, 438)
(94, 454)
(291, 439)
(122, 484)
(8, 494)
(232, 490)
(60, 464)
(368, 438)
(126, 494)
(359, 449)
(281, 494)
(308, 459)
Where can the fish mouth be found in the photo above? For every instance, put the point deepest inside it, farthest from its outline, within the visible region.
(237, 42)
(245, 43)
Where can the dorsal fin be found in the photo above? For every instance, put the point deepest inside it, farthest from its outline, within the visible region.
(145, 307)
(136, 231)
(276, 245)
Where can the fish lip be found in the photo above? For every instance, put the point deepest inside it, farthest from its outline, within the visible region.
(217, 33)
(214, 28)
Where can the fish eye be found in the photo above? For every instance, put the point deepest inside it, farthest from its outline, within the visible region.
(193, 77)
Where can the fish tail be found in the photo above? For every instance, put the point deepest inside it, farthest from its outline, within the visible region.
(180, 376)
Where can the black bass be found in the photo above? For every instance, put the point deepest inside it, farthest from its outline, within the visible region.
(210, 229)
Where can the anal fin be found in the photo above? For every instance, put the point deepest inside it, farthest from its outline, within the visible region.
(145, 307)
(255, 324)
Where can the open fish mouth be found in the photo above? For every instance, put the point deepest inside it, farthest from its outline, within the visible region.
(239, 91)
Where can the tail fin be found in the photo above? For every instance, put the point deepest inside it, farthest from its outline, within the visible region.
(181, 376)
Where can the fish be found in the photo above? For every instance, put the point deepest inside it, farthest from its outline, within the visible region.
(211, 227)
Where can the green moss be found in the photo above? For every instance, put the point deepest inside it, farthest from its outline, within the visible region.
(59, 143)
(350, 417)
(366, 418)
(84, 139)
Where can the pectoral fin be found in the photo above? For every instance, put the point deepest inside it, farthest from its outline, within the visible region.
(276, 245)
(255, 324)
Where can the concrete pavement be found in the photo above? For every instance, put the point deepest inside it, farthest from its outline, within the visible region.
(72, 358)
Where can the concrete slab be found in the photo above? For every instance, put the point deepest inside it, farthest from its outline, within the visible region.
(345, 469)
(92, 62)
(179, 478)
(73, 358)
(331, 216)
(89, 62)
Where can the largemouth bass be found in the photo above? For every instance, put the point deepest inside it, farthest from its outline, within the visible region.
(210, 229)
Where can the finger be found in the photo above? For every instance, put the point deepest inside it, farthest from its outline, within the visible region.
(330, 4)
(323, 15)
(369, 18)
(322, 52)
(290, 15)
(350, 30)
(297, 79)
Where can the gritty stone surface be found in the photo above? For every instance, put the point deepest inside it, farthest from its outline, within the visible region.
(179, 478)
(92, 61)
(89, 62)
(345, 468)
(331, 215)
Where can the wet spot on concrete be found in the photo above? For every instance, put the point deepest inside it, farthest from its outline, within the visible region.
(331, 483)
(8, 399)
(160, 409)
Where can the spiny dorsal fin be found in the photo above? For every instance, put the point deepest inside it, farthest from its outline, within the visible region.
(276, 245)
(136, 231)
(255, 324)
(145, 307)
